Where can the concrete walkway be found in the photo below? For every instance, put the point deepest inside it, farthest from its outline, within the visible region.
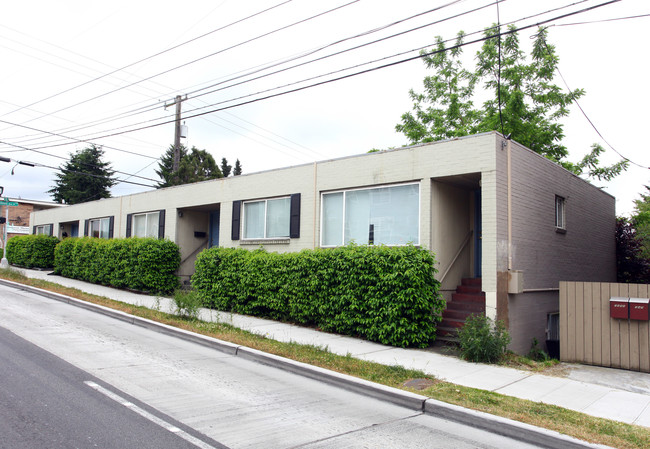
(604, 392)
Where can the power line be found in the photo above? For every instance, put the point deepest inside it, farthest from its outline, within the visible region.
(38, 164)
(314, 60)
(65, 158)
(149, 57)
(195, 60)
(330, 73)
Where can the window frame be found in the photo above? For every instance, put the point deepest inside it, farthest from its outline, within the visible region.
(265, 237)
(560, 213)
(100, 220)
(146, 226)
(344, 204)
(45, 229)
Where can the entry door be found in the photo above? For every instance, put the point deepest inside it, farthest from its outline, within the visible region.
(74, 230)
(214, 228)
(478, 233)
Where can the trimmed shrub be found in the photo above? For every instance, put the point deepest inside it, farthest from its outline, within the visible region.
(483, 341)
(135, 263)
(384, 294)
(32, 251)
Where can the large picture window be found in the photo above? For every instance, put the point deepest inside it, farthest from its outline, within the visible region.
(100, 228)
(146, 225)
(382, 215)
(267, 219)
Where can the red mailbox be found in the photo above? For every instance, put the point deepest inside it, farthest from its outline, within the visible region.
(619, 308)
(639, 308)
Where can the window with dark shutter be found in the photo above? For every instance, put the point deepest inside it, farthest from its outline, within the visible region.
(294, 224)
(236, 220)
(161, 224)
(129, 219)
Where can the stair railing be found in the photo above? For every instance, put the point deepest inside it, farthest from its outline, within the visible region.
(460, 250)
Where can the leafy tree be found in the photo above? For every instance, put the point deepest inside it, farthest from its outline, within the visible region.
(85, 177)
(237, 170)
(523, 100)
(225, 167)
(641, 221)
(631, 265)
(195, 166)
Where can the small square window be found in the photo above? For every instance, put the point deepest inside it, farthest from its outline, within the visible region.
(560, 222)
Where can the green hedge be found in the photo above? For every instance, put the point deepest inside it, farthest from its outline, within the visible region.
(31, 251)
(384, 294)
(135, 263)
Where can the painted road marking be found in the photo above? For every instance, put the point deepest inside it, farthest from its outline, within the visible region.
(145, 414)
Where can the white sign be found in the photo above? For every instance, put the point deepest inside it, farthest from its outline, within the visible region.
(11, 229)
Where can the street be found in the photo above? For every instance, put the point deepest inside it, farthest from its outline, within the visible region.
(217, 399)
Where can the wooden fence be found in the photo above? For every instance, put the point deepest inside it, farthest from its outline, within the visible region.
(588, 334)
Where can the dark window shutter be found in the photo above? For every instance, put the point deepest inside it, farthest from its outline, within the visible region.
(129, 220)
(294, 223)
(34, 230)
(111, 222)
(51, 233)
(236, 219)
(86, 225)
(161, 224)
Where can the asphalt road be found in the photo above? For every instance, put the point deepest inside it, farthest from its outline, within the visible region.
(230, 400)
(46, 402)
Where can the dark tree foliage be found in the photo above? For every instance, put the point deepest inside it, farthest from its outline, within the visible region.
(237, 170)
(195, 166)
(225, 167)
(631, 266)
(85, 177)
(166, 166)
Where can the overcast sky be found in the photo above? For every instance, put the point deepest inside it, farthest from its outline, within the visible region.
(102, 72)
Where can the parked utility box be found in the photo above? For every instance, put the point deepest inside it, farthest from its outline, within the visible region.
(619, 307)
(639, 309)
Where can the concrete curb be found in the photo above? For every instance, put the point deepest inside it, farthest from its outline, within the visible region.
(506, 427)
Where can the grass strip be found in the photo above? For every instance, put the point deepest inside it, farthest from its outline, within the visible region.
(569, 422)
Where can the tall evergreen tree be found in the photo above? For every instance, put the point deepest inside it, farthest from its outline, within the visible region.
(195, 166)
(237, 169)
(85, 177)
(225, 167)
(166, 166)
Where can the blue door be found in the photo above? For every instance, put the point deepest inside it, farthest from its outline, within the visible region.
(74, 230)
(214, 228)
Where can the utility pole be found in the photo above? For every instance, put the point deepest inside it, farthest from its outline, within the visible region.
(177, 131)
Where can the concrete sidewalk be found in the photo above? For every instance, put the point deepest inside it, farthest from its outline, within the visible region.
(604, 392)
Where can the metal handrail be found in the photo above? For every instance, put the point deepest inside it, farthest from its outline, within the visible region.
(195, 251)
(460, 250)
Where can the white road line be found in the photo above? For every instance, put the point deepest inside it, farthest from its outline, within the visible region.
(162, 423)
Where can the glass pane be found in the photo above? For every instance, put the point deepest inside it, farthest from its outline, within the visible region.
(332, 232)
(94, 228)
(357, 216)
(254, 220)
(105, 224)
(140, 225)
(277, 217)
(152, 224)
(395, 214)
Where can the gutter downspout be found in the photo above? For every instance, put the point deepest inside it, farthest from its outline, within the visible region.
(509, 169)
(315, 202)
